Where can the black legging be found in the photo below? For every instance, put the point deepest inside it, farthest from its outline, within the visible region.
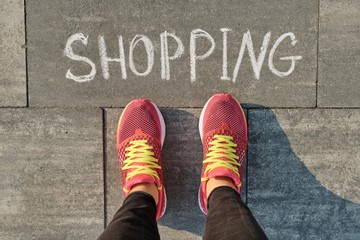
(228, 218)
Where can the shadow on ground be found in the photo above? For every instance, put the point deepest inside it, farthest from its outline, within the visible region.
(182, 156)
(288, 201)
(285, 197)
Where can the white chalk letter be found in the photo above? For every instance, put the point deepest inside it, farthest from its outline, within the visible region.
(224, 65)
(149, 51)
(104, 59)
(255, 63)
(68, 52)
(165, 68)
(193, 57)
(293, 59)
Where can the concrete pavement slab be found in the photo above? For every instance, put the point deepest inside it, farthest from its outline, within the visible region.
(182, 159)
(51, 179)
(12, 54)
(91, 53)
(339, 54)
(303, 174)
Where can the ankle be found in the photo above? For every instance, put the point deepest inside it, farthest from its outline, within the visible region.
(215, 182)
(149, 188)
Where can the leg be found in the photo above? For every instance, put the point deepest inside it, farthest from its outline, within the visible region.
(136, 219)
(229, 217)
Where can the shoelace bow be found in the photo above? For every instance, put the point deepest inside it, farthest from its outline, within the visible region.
(139, 156)
(221, 147)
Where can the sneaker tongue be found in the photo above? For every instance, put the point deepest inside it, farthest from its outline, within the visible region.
(225, 172)
(140, 178)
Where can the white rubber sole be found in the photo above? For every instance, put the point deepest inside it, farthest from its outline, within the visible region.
(162, 124)
(165, 204)
(201, 120)
(199, 201)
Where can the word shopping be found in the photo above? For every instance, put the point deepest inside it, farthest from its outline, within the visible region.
(166, 56)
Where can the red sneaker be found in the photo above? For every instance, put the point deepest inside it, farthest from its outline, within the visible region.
(223, 132)
(140, 136)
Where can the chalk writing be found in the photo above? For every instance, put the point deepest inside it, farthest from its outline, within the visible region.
(224, 65)
(104, 59)
(165, 57)
(293, 59)
(165, 66)
(149, 53)
(255, 63)
(193, 57)
(68, 51)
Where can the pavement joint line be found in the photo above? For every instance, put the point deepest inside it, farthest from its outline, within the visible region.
(104, 132)
(317, 56)
(247, 106)
(93, 107)
(13, 107)
(26, 57)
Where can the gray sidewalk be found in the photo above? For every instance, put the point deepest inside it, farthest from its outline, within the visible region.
(67, 69)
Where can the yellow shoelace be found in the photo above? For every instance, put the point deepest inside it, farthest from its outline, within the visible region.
(221, 147)
(137, 153)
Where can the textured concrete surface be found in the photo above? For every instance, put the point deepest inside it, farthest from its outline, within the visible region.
(304, 173)
(50, 26)
(303, 180)
(51, 174)
(339, 54)
(182, 159)
(12, 54)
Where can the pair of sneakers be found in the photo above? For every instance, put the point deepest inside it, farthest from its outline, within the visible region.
(141, 135)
